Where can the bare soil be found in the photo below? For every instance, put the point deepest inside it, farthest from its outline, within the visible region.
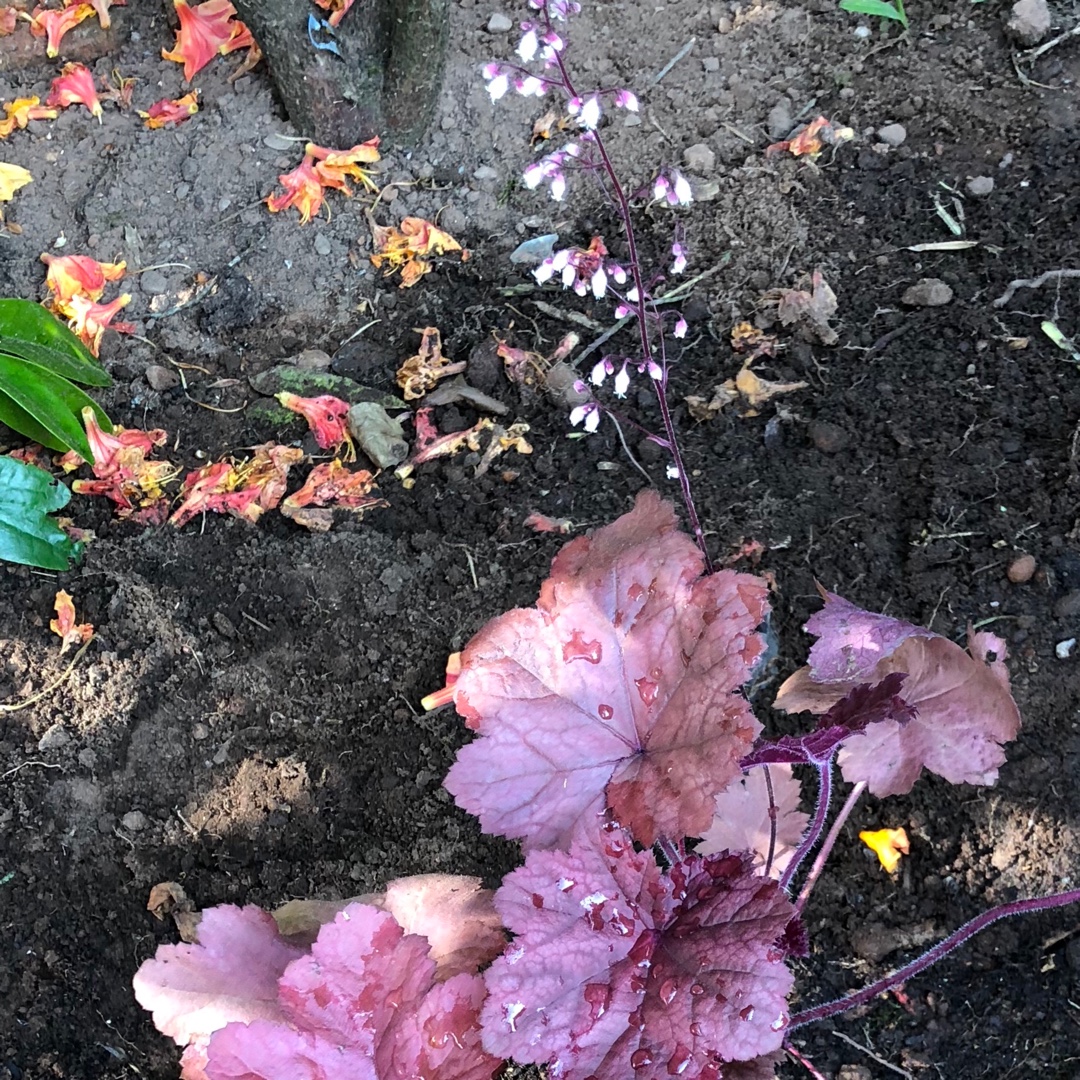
(252, 692)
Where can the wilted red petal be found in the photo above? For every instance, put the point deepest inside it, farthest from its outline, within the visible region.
(171, 111)
(337, 9)
(79, 275)
(53, 25)
(7, 21)
(64, 624)
(303, 189)
(326, 418)
(203, 31)
(75, 86)
(90, 320)
(102, 9)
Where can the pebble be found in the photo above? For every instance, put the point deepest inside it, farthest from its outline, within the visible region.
(322, 244)
(980, 186)
(1063, 649)
(699, 158)
(779, 121)
(1030, 21)
(161, 378)
(135, 821)
(153, 282)
(893, 134)
(485, 172)
(314, 360)
(927, 292)
(200, 732)
(452, 220)
(500, 23)
(1021, 569)
(828, 438)
(711, 63)
(54, 738)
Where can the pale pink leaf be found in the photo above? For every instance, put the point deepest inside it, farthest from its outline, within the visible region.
(964, 710)
(266, 1051)
(620, 970)
(230, 975)
(620, 688)
(742, 820)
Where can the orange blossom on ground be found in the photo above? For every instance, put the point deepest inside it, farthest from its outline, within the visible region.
(337, 9)
(64, 625)
(21, 111)
(410, 248)
(888, 845)
(53, 25)
(174, 111)
(326, 418)
(330, 484)
(206, 30)
(90, 320)
(12, 177)
(75, 86)
(78, 275)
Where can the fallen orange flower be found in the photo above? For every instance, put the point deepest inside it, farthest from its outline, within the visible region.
(303, 189)
(326, 418)
(53, 25)
(334, 167)
(421, 372)
(21, 111)
(888, 845)
(75, 86)
(78, 275)
(337, 9)
(812, 139)
(90, 320)
(122, 91)
(122, 473)
(330, 484)
(64, 624)
(410, 248)
(169, 111)
(541, 523)
(244, 490)
(205, 31)
(7, 21)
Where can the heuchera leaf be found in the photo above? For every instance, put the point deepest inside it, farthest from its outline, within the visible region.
(742, 821)
(230, 975)
(621, 970)
(620, 688)
(964, 709)
(363, 1004)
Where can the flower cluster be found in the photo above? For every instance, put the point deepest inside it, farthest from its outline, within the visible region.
(582, 269)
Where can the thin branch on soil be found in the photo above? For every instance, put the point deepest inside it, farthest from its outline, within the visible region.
(626, 449)
(214, 408)
(252, 619)
(15, 706)
(803, 1061)
(567, 316)
(870, 1053)
(1046, 46)
(23, 765)
(675, 59)
(1033, 283)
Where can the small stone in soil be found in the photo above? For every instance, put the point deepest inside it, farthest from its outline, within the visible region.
(54, 738)
(779, 121)
(153, 282)
(134, 821)
(1021, 569)
(893, 134)
(828, 438)
(161, 378)
(500, 23)
(927, 292)
(322, 244)
(1063, 649)
(980, 186)
(699, 158)
(1030, 21)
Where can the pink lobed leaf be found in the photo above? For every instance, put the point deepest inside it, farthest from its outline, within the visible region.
(742, 820)
(230, 975)
(619, 969)
(266, 1051)
(964, 710)
(620, 688)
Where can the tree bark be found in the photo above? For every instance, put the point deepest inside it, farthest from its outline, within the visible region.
(385, 82)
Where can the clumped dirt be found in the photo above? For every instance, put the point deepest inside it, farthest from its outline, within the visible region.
(246, 721)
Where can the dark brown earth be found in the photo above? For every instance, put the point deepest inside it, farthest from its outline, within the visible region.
(246, 721)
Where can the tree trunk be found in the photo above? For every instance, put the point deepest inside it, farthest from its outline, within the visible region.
(385, 82)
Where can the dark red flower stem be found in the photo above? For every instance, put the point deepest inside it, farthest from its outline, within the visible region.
(932, 956)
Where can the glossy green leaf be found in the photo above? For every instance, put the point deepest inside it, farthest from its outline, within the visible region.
(52, 401)
(27, 535)
(27, 328)
(875, 7)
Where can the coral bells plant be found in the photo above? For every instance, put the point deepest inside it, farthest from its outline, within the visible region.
(647, 933)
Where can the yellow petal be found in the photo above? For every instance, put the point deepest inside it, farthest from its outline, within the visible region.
(12, 177)
(888, 845)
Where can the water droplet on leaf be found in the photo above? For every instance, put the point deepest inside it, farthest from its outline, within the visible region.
(668, 991)
(577, 648)
(640, 1058)
(647, 690)
(605, 712)
(679, 1060)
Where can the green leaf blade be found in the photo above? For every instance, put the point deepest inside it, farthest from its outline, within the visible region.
(27, 535)
(22, 322)
(880, 8)
(53, 402)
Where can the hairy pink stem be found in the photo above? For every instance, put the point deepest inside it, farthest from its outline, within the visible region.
(821, 812)
(772, 821)
(826, 848)
(932, 956)
(623, 204)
